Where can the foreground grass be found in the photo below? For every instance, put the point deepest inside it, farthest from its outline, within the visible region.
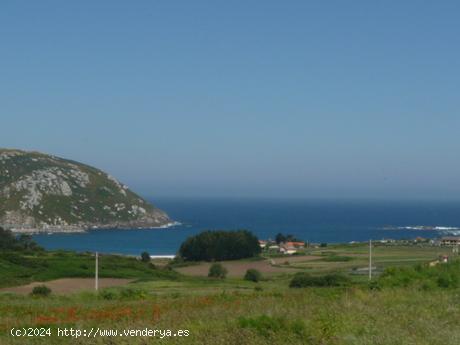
(246, 316)
(409, 305)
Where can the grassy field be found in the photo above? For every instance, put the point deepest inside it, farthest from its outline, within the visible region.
(18, 268)
(348, 259)
(235, 311)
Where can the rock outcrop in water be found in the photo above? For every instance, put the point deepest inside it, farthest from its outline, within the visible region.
(40, 192)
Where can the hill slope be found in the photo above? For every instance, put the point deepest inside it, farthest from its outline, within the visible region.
(40, 192)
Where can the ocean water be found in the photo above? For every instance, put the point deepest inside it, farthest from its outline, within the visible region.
(310, 220)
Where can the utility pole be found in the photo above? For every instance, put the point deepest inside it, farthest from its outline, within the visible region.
(370, 259)
(96, 275)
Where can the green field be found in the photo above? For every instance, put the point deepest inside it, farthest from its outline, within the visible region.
(19, 268)
(413, 306)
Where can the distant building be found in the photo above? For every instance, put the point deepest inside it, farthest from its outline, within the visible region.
(288, 249)
(291, 247)
(296, 244)
(450, 241)
(262, 243)
(443, 259)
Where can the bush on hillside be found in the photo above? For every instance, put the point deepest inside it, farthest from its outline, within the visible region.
(217, 271)
(253, 275)
(23, 242)
(220, 245)
(302, 279)
(41, 291)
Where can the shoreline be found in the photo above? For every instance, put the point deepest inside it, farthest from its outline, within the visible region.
(76, 229)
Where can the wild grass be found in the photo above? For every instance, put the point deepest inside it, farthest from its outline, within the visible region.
(16, 268)
(353, 315)
(407, 305)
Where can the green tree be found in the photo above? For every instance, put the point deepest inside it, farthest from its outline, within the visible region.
(7, 240)
(285, 238)
(220, 245)
(145, 257)
(280, 238)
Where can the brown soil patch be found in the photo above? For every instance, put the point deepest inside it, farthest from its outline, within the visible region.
(68, 285)
(238, 268)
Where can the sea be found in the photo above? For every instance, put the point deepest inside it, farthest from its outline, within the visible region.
(318, 221)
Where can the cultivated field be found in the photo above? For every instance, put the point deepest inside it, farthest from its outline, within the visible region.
(349, 259)
(68, 285)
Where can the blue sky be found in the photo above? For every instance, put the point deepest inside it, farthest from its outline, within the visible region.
(239, 98)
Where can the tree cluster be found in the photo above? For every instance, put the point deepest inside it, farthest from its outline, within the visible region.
(8, 241)
(220, 245)
(281, 238)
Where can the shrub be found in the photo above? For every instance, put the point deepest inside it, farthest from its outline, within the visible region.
(130, 293)
(337, 258)
(446, 280)
(145, 257)
(253, 275)
(302, 279)
(220, 245)
(107, 294)
(41, 291)
(217, 271)
(266, 325)
(374, 285)
(263, 324)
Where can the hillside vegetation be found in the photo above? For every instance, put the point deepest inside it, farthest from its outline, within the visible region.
(44, 192)
(23, 261)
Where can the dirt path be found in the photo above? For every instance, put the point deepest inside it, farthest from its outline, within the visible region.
(68, 285)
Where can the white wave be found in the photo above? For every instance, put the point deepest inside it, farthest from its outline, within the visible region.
(168, 225)
(425, 227)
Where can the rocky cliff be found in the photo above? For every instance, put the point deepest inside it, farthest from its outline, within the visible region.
(40, 192)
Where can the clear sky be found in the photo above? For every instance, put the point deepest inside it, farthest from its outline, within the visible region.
(240, 98)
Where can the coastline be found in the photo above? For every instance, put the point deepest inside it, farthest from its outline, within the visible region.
(70, 229)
